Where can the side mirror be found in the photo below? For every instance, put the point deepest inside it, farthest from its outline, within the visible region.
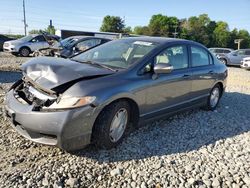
(234, 54)
(163, 68)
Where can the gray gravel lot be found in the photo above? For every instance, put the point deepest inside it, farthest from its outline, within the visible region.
(191, 149)
(10, 62)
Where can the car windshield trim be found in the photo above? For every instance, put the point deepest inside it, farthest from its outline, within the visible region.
(98, 64)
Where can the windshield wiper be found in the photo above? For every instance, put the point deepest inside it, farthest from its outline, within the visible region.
(100, 65)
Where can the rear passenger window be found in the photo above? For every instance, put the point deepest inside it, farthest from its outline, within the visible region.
(247, 52)
(177, 56)
(199, 57)
(227, 51)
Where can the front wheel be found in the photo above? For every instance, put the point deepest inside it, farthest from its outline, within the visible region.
(214, 98)
(24, 52)
(111, 125)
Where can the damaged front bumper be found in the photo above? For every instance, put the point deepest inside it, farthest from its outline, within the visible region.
(67, 129)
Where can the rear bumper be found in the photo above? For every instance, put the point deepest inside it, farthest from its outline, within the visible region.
(68, 129)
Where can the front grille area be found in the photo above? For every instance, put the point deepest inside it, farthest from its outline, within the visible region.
(25, 93)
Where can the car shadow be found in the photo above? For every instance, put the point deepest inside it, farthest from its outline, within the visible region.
(183, 132)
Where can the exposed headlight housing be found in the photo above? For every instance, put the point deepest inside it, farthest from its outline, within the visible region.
(71, 102)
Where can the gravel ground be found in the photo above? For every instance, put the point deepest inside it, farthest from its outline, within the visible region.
(10, 62)
(192, 149)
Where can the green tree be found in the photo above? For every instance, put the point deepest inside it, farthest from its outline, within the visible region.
(36, 31)
(112, 24)
(160, 25)
(196, 28)
(127, 30)
(244, 34)
(233, 36)
(221, 34)
(50, 29)
(141, 30)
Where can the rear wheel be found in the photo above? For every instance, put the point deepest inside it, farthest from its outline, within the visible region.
(224, 61)
(214, 98)
(111, 125)
(24, 51)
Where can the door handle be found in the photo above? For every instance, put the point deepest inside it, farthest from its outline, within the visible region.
(211, 72)
(186, 75)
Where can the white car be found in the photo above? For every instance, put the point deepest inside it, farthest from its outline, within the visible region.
(245, 63)
(28, 44)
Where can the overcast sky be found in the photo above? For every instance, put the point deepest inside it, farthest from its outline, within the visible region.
(87, 15)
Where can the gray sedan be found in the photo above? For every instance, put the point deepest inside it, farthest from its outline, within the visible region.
(95, 96)
(235, 57)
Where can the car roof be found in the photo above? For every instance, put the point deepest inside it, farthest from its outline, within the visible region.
(161, 40)
(221, 48)
(86, 37)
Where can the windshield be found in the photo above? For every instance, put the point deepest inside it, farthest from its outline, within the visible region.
(27, 38)
(68, 42)
(117, 54)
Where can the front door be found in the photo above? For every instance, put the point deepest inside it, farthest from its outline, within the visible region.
(171, 89)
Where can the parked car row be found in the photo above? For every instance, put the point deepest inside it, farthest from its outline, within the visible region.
(95, 96)
(51, 45)
(28, 44)
(233, 57)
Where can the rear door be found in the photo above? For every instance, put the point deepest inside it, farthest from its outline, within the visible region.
(202, 70)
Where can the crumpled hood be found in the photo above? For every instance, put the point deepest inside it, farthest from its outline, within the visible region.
(49, 72)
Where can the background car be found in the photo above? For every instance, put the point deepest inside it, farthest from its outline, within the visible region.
(220, 53)
(96, 95)
(235, 57)
(245, 63)
(4, 39)
(76, 44)
(28, 44)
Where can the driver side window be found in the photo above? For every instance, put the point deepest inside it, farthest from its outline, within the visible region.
(177, 56)
(38, 39)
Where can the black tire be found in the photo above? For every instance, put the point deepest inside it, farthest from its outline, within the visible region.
(209, 106)
(24, 51)
(101, 130)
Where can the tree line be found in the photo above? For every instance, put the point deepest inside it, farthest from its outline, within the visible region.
(197, 28)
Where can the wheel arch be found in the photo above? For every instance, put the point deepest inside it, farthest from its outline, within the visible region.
(221, 85)
(135, 110)
(24, 47)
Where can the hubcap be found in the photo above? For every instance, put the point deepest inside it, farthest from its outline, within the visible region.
(25, 52)
(224, 61)
(118, 125)
(214, 98)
